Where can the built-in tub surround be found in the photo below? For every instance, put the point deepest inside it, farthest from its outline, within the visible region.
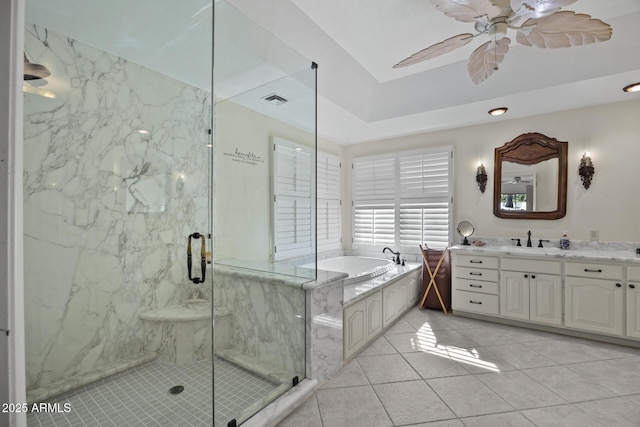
(106, 208)
(356, 267)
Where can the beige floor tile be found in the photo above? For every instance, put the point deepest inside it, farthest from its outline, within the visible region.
(507, 419)
(467, 396)
(412, 402)
(351, 406)
(520, 391)
(387, 368)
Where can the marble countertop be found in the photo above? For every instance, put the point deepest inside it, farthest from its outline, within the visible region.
(357, 291)
(625, 255)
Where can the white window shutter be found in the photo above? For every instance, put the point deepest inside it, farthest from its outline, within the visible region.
(328, 201)
(406, 206)
(374, 178)
(424, 174)
(425, 197)
(374, 188)
(293, 229)
(374, 225)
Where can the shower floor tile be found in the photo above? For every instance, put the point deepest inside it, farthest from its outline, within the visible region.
(140, 397)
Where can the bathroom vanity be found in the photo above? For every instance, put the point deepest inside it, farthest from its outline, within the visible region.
(580, 292)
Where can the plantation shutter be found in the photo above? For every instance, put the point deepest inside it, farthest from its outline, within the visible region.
(425, 197)
(374, 187)
(292, 191)
(328, 202)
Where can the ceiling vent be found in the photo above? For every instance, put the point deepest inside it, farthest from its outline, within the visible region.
(275, 99)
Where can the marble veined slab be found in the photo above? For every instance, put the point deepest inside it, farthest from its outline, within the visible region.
(179, 313)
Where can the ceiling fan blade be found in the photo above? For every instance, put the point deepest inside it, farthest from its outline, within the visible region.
(485, 59)
(436, 50)
(538, 8)
(563, 29)
(467, 10)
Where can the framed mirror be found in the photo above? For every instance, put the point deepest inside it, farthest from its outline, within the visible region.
(531, 178)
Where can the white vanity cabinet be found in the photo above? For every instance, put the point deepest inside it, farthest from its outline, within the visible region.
(594, 297)
(597, 293)
(475, 284)
(531, 290)
(633, 302)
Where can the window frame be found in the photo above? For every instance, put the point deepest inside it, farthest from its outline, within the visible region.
(399, 200)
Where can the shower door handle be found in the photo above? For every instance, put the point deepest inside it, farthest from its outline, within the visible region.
(203, 257)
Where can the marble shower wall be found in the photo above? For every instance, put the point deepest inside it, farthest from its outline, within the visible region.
(107, 209)
(267, 317)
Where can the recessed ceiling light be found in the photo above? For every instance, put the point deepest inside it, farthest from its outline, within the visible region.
(634, 87)
(498, 111)
(143, 131)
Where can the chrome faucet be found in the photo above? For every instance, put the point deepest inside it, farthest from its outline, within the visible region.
(529, 238)
(397, 255)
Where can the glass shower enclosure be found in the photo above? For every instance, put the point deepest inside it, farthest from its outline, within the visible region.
(154, 293)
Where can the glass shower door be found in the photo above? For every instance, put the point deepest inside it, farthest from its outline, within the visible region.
(117, 176)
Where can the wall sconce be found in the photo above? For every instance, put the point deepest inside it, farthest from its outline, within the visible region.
(586, 170)
(481, 177)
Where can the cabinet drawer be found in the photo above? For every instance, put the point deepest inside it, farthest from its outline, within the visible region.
(532, 265)
(633, 273)
(597, 271)
(471, 301)
(477, 274)
(480, 261)
(476, 286)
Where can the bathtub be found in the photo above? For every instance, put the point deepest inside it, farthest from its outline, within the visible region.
(357, 267)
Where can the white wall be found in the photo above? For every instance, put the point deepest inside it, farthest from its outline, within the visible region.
(610, 132)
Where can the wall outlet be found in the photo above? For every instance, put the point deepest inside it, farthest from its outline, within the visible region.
(594, 235)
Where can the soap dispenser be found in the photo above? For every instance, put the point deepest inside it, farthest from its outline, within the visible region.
(565, 243)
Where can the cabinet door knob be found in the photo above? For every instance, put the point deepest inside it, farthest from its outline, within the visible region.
(632, 286)
(533, 276)
(618, 285)
(526, 276)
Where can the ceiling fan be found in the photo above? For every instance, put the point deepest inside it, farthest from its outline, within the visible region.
(539, 23)
(517, 180)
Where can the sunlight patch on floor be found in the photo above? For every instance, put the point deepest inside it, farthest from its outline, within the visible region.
(425, 340)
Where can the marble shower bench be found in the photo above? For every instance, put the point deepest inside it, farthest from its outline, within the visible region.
(181, 333)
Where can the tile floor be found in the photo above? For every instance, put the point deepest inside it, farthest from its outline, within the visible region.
(445, 371)
(139, 397)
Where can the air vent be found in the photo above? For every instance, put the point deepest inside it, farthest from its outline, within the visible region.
(275, 99)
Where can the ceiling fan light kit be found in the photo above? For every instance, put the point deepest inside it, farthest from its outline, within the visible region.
(634, 87)
(539, 23)
(498, 111)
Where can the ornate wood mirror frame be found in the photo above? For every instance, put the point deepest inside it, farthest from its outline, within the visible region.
(531, 149)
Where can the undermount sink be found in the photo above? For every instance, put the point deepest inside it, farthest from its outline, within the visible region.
(524, 249)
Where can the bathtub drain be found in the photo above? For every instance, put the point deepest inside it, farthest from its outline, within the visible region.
(176, 389)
